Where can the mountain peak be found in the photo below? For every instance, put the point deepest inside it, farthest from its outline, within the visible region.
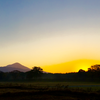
(16, 63)
(15, 66)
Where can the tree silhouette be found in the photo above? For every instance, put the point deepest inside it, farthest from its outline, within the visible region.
(35, 73)
(95, 67)
(81, 71)
(94, 72)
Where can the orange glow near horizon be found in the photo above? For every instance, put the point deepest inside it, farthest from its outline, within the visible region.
(72, 66)
(66, 67)
(59, 37)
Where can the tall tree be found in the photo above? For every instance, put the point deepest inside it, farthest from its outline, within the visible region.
(35, 72)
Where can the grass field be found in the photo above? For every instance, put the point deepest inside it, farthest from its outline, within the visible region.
(49, 90)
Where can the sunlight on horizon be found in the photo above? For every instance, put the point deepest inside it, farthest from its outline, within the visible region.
(65, 67)
(71, 66)
(52, 34)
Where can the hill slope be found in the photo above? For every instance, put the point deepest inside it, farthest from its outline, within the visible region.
(15, 66)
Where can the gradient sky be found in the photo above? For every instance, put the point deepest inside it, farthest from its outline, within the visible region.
(47, 32)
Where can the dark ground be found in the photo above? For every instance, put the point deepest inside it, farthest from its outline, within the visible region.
(50, 95)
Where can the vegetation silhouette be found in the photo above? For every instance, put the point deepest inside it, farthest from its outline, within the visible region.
(23, 91)
(34, 73)
(37, 73)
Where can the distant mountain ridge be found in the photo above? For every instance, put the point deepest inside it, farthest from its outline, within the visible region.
(15, 66)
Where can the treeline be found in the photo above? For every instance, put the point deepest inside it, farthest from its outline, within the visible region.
(37, 74)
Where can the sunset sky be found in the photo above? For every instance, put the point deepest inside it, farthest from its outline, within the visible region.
(50, 32)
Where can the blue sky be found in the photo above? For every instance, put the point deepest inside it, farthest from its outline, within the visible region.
(42, 32)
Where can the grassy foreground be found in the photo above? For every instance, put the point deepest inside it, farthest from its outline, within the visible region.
(49, 91)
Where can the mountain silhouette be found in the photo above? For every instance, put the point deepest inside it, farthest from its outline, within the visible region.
(15, 66)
